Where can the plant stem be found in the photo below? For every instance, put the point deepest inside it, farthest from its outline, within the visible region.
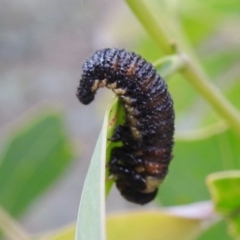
(151, 25)
(193, 73)
(10, 228)
(201, 133)
(213, 96)
(169, 65)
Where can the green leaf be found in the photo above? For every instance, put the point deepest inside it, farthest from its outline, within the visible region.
(91, 211)
(217, 231)
(225, 191)
(91, 215)
(115, 117)
(193, 161)
(140, 225)
(35, 156)
(151, 226)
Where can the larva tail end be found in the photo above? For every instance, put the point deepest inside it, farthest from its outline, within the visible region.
(132, 195)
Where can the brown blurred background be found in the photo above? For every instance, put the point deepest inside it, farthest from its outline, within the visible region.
(42, 47)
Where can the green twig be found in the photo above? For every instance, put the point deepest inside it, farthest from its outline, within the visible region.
(202, 133)
(10, 228)
(193, 73)
(151, 25)
(212, 94)
(169, 65)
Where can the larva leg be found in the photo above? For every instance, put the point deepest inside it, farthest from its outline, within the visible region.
(123, 134)
(129, 177)
(122, 165)
(119, 133)
(122, 156)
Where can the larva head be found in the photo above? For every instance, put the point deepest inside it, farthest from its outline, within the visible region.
(92, 79)
(84, 92)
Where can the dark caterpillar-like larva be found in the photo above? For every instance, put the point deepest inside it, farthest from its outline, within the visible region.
(141, 164)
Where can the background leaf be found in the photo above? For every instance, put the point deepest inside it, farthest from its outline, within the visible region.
(151, 226)
(91, 215)
(35, 156)
(193, 161)
(225, 192)
(217, 231)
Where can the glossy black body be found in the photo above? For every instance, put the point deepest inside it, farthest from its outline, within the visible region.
(147, 133)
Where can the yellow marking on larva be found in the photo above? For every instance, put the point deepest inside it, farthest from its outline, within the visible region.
(133, 120)
(130, 109)
(95, 85)
(112, 85)
(139, 169)
(119, 91)
(154, 168)
(138, 153)
(102, 83)
(147, 82)
(135, 133)
(127, 100)
(131, 69)
(115, 64)
(151, 184)
(99, 84)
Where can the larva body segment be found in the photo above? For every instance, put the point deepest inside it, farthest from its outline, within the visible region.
(142, 162)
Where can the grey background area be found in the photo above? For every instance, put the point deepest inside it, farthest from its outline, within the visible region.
(42, 47)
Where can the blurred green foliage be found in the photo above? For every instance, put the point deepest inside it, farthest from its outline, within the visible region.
(192, 162)
(208, 31)
(217, 231)
(34, 157)
(225, 193)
